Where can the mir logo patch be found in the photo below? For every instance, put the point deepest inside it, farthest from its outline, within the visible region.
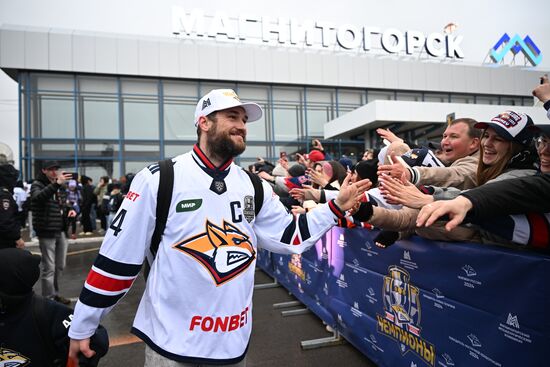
(206, 103)
(188, 205)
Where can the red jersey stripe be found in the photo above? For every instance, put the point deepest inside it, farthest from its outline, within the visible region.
(335, 209)
(224, 166)
(108, 284)
(203, 157)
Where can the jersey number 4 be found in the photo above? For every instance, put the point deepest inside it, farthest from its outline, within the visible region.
(116, 226)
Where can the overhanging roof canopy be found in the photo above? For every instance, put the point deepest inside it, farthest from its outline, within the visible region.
(416, 115)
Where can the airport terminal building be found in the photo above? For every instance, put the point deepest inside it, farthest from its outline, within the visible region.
(112, 103)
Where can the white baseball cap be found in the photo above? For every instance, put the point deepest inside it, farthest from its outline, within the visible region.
(221, 99)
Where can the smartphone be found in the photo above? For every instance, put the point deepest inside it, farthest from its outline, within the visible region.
(74, 175)
(537, 102)
(282, 155)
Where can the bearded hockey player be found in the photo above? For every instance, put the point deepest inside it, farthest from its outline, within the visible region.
(197, 305)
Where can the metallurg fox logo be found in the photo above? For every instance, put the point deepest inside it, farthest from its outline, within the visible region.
(10, 358)
(224, 251)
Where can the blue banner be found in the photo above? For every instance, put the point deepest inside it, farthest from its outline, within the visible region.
(264, 261)
(421, 302)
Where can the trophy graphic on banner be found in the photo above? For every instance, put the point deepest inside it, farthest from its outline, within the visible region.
(402, 300)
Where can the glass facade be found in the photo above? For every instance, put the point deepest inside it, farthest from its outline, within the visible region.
(109, 125)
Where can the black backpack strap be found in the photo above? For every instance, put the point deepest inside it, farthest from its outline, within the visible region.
(164, 198)
(258, 191)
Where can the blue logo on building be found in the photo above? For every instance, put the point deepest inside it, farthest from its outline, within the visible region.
(516, 44)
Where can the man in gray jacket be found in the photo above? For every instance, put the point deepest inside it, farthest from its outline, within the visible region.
(47, 211)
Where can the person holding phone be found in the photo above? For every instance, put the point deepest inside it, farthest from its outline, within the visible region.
(317, 153)
(542, 92)
(47, 212)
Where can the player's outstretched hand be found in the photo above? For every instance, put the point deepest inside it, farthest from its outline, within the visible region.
(351, 193)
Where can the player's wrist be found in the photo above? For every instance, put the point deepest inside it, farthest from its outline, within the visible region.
(336, 208)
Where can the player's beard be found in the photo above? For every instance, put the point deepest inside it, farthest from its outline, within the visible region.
(221, 144)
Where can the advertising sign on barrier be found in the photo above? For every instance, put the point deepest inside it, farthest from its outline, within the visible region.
(428, 303)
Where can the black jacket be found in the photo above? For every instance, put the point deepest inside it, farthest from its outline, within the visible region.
(88, 197)
(514, 196)
(47, 211)
(10, 228)
(32, 328)
(37, 331)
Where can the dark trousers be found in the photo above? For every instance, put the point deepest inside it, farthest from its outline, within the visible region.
(86, 220)
(22, 217)
(71, 222)
(103, 218)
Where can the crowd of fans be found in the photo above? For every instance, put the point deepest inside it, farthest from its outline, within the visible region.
(407, 178)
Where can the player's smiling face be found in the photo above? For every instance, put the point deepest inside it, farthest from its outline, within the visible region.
(227, 137)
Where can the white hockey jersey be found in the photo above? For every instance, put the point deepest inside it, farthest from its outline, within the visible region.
(197, 304)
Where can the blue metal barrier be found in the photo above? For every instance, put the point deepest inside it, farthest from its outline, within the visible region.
(422, 302)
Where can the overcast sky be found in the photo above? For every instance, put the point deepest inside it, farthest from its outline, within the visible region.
(481, 22)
